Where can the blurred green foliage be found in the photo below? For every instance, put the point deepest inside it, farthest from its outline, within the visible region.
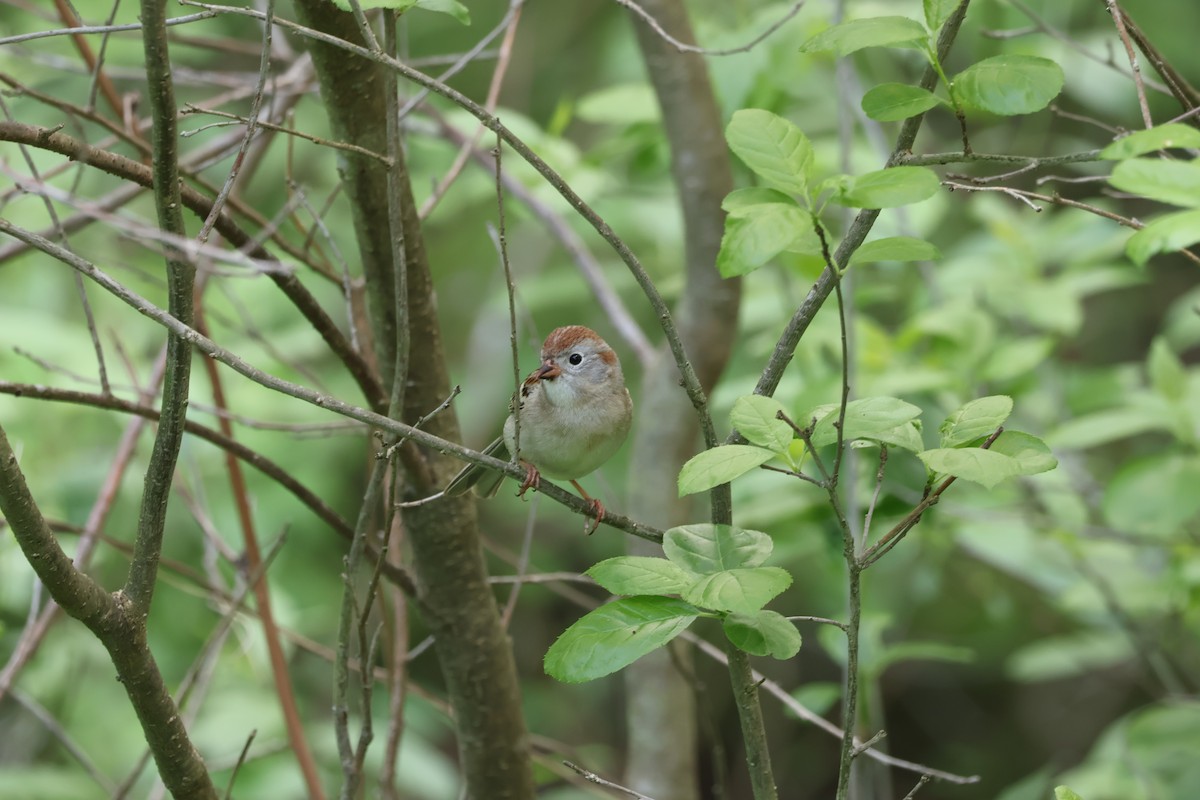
(1039, 633)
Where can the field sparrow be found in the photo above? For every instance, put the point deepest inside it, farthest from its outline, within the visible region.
(575, 414)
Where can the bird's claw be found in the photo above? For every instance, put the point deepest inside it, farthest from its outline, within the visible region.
(533, 480)
(596, 516)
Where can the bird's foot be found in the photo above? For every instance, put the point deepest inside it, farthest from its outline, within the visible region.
(533, 480)
(596, 516)
(595, 511)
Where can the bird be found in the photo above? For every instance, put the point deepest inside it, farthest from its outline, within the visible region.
(575, 414)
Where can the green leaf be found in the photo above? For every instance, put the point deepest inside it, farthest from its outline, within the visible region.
(972, 463)
(974, 420)
(641, 575)
(1009, 84)
(920, 651)
(1102, 427)
(720, 465)
(895, 248)
(624, 104)
(1016, 358)
(615, 635)
(938, 11)
(1166, 234)
(1154, 495)
(744, 590)
(772, 147)
(890, 102)
(765, 633)
(451, 8)
(1066, 793)
(818, 697)
(865, 418)
(906, 436)
(849, 37)
(740, 199)
(1167, 373)
(706, 549)
(755, 417)
(889, 188)
(1067, 656)
(1031, 453)
(756, 234)
(1175, 182)
(1160, 137)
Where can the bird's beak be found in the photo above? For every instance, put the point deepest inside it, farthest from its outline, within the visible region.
(547, 371)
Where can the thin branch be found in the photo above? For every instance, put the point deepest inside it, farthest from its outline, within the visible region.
(596, 779)
(191, 108)
(803, 712)
(901, 528)
(1028, 198)
(822, 620)
(500, 239)
(684, 47)
(88, 29)
(1118, 18)
(238, 764)
(351, 773)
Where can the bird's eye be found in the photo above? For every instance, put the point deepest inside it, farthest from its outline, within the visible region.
(575, 358)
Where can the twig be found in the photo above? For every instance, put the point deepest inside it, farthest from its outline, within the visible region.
(347, 619)
(822, 620)
(264, 68)
(398, 196)
(83, 29)
(238, 765)
(684, 47)
(594, 778)
(913, 792)
(859, 749)
(500, 238)
(901, 528)
(1117, 15)
(799, 709)
(191, 108)
(883, 457)
(1028, 199)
